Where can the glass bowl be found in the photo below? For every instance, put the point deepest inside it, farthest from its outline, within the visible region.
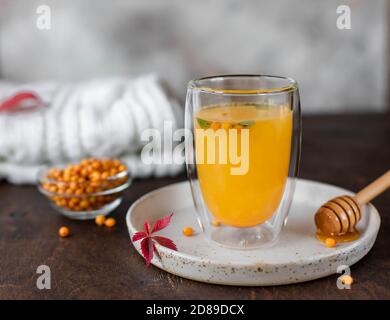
(96, 198)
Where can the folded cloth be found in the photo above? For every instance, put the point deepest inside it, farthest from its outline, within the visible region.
(96, 118)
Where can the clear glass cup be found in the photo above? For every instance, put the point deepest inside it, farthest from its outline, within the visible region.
(243, 155)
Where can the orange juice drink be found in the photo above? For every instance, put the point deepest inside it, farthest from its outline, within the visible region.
(252, 196)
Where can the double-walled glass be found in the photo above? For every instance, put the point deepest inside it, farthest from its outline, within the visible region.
(243, 155)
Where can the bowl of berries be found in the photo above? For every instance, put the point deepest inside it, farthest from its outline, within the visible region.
(86, 189)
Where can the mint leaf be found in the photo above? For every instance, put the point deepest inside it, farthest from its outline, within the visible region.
(204, 124)
(246, 123)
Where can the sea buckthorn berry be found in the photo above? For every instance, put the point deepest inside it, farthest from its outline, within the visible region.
(95, 184)
(215, 125)
(73, 185)
(84, 204)
(226, 125)
(122, 168)
(79, 191)
(330, 242)
(100, 219)
(188, 231)
(95, 176)
(53, 189)
(61, 202)
(89, 189)
(63, 232)
(66, 176)
(74, 200)
(61, 189)
(110, 222)
(238, 127)
(81, 180)
(84, 172)
(347, 279)
(96, 165)
(54, 173)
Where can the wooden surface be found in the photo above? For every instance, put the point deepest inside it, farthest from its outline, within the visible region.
(349, 151)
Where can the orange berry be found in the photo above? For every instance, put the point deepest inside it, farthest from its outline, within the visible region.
(85, 162)
(347, 279)
(61, 189)
(89, 189)
(61, 202)
(122, 168)
(100, 219)
(84, 172)
(73, 202)
(95, 184)
(84, 204)
(64, 232)
(215, 125)
(53, 189)
(110, 222)
(330, 242)
(66, 176)
(226, 125)
(81, 180)
(73, 185)
(46, 186)
(96, 164)
(79, 191)
(238, 127)
(95, 176)
(54, 173)
(188, 231)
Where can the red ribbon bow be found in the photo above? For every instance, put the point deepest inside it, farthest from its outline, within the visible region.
(21, 101)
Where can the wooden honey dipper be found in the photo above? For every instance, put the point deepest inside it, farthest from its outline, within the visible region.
(340, 215)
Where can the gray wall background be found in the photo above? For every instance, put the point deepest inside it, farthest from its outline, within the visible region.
(338, 70)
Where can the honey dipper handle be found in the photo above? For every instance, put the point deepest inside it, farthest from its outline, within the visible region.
(373, 189)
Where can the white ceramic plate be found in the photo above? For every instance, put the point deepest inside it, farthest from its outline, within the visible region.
(296, 257)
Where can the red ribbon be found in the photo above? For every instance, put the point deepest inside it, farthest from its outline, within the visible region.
(22, 101)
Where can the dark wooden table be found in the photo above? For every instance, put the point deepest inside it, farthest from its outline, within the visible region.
(99, 263)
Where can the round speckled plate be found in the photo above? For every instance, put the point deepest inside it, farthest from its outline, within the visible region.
(296, 257)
